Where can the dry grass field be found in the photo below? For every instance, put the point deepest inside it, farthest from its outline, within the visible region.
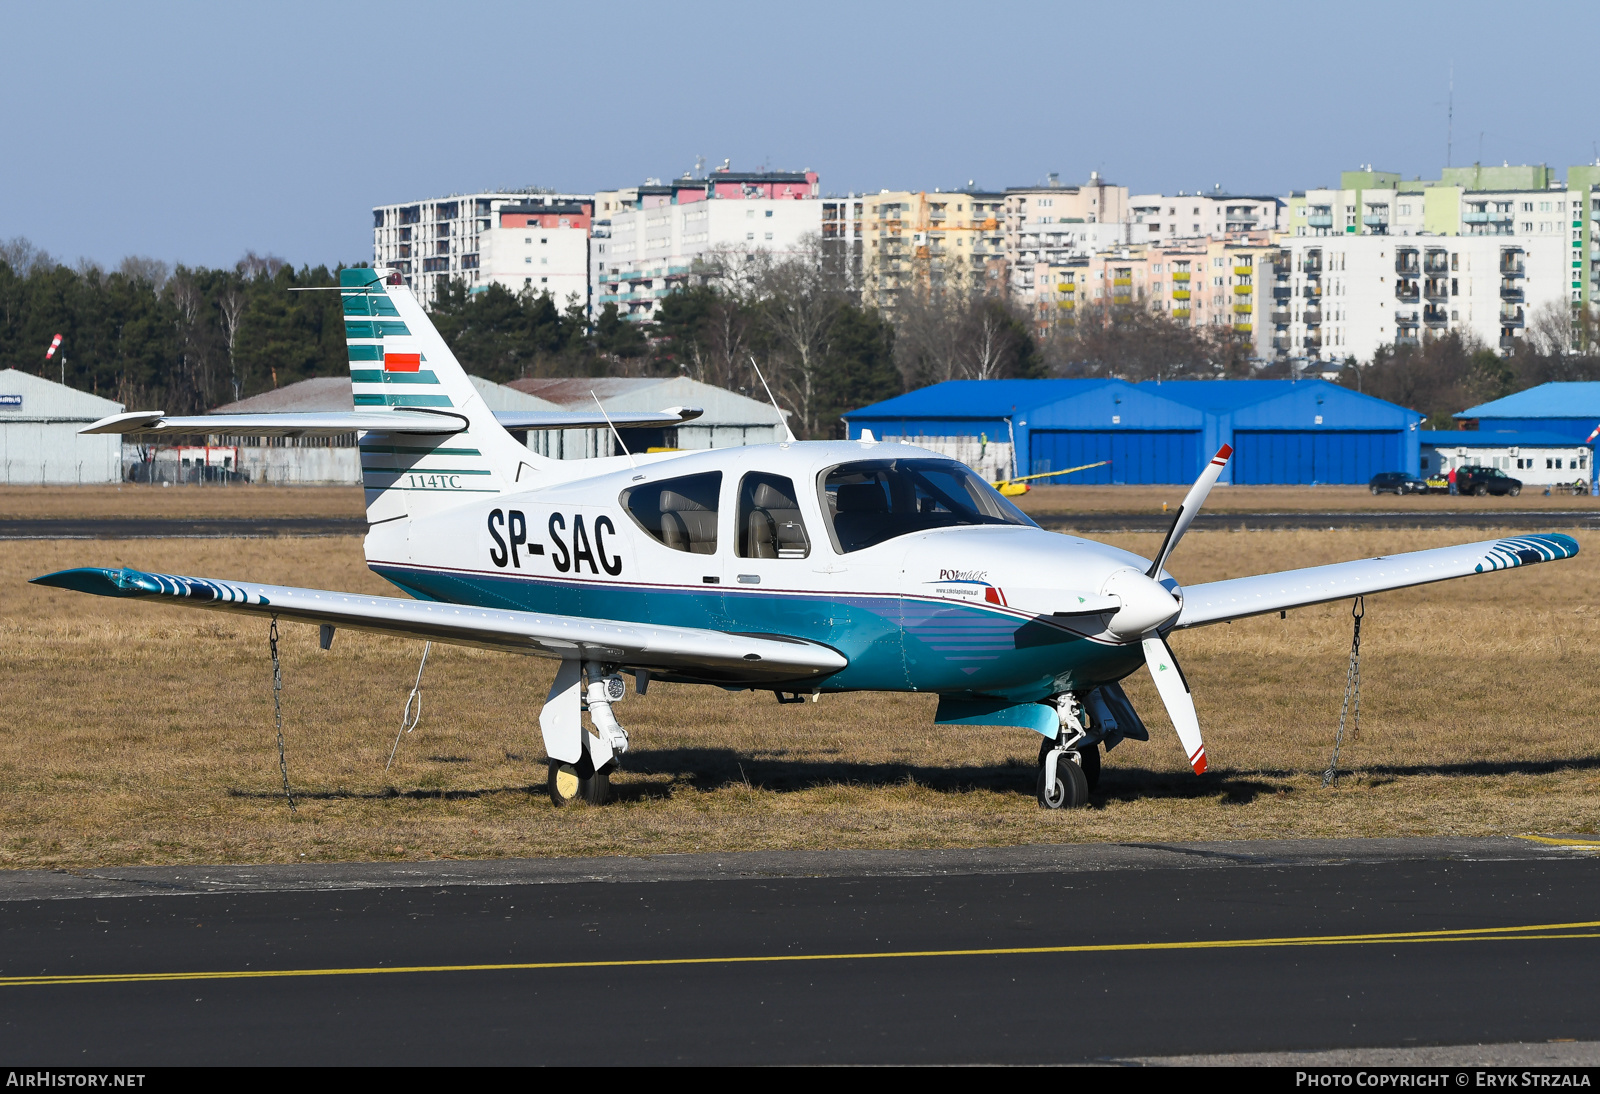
(141, 733)
(195, 502)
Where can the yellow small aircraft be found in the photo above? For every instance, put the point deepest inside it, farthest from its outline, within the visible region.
(1013, 488)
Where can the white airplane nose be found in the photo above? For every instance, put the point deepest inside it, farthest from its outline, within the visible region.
(1146, 604)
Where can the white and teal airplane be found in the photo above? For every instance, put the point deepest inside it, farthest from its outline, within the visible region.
(802, 567)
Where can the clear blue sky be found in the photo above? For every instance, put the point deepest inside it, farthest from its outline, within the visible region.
(193, 133)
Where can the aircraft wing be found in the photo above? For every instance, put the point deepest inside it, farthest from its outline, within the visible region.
(1220, 601)
(705, 655)
(154, 423)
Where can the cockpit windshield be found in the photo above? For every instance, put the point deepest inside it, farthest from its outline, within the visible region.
(870, 501)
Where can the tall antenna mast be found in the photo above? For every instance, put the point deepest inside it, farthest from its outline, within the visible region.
(1450, 119)
(614, 433)
(783, 419)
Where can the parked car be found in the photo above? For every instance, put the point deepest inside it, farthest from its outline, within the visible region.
(1396, 482)
(1486, 480)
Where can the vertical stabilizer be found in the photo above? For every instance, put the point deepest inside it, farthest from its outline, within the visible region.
(399, 361)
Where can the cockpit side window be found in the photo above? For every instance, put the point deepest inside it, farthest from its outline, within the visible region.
(679, 513)
(770, 525)
(870, 501)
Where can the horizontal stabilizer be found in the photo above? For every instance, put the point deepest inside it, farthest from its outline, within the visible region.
(686, 651)
(1219, 601)
(593, 419)
(153, 423)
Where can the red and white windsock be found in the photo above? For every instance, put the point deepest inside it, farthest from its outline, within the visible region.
(55, 344)
(1590, 438)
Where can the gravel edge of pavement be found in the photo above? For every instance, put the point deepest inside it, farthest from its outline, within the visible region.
(94, 883)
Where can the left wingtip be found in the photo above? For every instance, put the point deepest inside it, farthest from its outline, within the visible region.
(87, 579)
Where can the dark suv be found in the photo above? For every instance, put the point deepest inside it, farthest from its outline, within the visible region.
(1486, 480)
(1396, 482)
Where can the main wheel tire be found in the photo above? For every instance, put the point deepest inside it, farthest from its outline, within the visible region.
(567, 783)
(1514, 491)
(1070, 789)
(1089, 760)
(596, 789)
(564, 783)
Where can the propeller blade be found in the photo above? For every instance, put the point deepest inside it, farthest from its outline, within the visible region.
(1174, 690)
(1192, 501)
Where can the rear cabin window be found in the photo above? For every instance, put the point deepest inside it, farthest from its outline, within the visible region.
(871, 501)
(769, 519)
(678, 513)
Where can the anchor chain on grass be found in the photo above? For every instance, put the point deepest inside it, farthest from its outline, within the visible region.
(1352, 694)
(277, 708)
(412, 714)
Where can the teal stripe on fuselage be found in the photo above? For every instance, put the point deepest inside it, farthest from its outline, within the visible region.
(893, 643)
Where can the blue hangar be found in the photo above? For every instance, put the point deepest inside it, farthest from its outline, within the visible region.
(1283, 431)
(1567, 409)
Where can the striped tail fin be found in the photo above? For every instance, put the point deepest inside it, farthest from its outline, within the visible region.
(399, 361)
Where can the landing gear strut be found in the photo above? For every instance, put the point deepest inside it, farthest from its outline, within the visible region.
(589, 777)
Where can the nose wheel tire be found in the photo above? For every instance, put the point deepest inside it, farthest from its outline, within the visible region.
(566, 785)
(1089, 761)
(1069, 790)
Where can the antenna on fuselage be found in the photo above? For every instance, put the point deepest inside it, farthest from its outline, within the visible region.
(614, 432)
(783, 419)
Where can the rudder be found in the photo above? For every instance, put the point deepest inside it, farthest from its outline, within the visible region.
(398, 361)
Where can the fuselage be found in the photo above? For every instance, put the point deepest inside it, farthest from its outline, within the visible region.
(870, 548)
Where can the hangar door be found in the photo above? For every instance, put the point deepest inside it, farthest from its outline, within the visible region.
(1296, 456)
(1136, 455)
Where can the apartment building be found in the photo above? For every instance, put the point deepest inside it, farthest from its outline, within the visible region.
(1153, 218)
(647, 239)
(1523, 200)
(538, 246)
(431, 241)
(1053, 223)
(844, 238)
(1194, 282)
(1347, 297)
(917, 242)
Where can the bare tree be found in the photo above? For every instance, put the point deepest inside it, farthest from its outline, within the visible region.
(193, 382)
(145, 268)
(230, 310)
(799, 310)
(253, 265)
(1550, 328)
(24, 258)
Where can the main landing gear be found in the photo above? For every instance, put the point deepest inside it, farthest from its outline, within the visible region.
(1069, 765)
(588, 778)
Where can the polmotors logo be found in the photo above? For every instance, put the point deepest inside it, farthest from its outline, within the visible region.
(980, 576)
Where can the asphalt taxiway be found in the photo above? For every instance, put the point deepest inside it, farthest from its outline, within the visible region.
(1075, 953)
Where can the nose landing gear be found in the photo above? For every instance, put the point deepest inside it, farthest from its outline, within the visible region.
(1068, 765)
